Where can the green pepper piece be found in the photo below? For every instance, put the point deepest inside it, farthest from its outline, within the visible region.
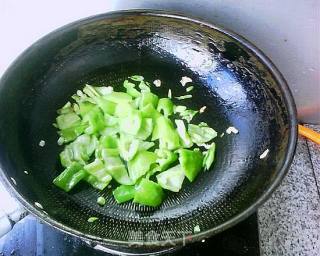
(184, 136)
(123, 109)
(209, 156)
(120, 174)
(97, 184)
(109, 141)
(154, 168)
(85, 107)
(172, 178)
(95, 119)
(69, 120)
(66, 156)
(150, 112)
(188, 114)
(144, 86)
(191, 162)
(91, 91)
(117, 170)
(145, 129)
(110, 120)
(166, 133)
(104, 90)
(118, 97)
(115, 167)
(72, 133)
(132, 123)
(131, 90)
(98, 170)
(124, 193)
(101, 200)
(148, 98)
(108, 107)
(79, 150)
(70, 177)
(137, 78)
(165, 106)
(67, 108)
(165, 158)
(110, 130)
(140, 164)
(145, 145)
(148, 193)
(92, 219)
(106, 151)
(201, 133)
(128, 147)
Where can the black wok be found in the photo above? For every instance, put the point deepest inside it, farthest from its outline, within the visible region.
(238, 84)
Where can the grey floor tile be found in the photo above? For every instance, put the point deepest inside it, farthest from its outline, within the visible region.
(289, 221)
(314, 150)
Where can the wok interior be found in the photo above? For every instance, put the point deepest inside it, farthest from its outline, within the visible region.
(236, 88)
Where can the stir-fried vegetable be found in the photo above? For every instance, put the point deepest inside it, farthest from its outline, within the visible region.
(146, 144)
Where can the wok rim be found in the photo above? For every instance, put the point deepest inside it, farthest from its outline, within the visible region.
(283, 86)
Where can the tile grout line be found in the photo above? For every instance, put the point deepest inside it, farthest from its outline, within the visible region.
(313, 172)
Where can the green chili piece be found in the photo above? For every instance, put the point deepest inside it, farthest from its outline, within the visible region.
(171, 179)
(124, 193)
(191, 162)
(140, 164)
(148, 193)
(70, 177)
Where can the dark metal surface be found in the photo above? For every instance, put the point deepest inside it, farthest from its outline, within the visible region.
(237, 83)
(30, 238)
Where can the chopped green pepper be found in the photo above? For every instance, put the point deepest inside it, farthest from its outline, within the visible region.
(165, 106)
(191, 162)
(140, 164)
(171, 179)
(124, 193)
(68, 120)
(92, 219)
(67, 108)
(98, 170)
(123, 109)
(148, 193)
(148, 98)
(144, 87)
(166, 133)
(146, 129)
(165, 158)
(184, 136)
(98, 184)
(118, 97)
(137, 78)
(101, 200)
(145, 145)
(201, 133)
(209, 156)
(109, 132)
(131, 90)
(108, 107)
(109, 141)
(115, 167)
(132, 123)
(79, 150)
(95, 120)
(70, 177)
(128, 147)
(150, 112)
(72, 133)
(85, 107)
(188, 114)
